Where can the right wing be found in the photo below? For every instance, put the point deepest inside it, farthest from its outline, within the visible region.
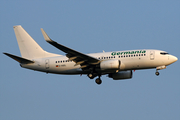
(84, 60)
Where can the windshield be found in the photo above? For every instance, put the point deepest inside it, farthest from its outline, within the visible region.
(164, 53)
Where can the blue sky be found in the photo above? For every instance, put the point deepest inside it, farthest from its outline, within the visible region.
(89, 27)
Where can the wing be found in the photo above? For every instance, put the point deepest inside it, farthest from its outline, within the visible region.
(84, 60)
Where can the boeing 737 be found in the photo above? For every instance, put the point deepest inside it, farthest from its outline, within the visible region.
(118, 65)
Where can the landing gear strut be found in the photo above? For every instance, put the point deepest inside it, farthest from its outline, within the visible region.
(98, 81)
(93, 75)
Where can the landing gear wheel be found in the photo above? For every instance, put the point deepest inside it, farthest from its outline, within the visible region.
(98, 81)
(157, 73)
(90, 76)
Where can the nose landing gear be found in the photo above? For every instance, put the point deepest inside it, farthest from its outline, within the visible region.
(157, 73)
(159, 68)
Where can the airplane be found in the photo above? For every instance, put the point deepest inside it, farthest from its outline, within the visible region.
(118, 65)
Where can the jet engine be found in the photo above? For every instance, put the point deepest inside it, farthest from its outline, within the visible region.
(110, 65)
(121, 75)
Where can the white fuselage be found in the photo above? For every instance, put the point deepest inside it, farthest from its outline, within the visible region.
(130, 60)
(118, 65)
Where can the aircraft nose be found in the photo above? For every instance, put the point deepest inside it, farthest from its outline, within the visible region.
(173, 58)
(176, 59)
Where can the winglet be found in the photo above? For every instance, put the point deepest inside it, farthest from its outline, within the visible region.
(46, 37)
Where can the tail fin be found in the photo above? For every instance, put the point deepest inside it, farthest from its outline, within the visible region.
(28, 47)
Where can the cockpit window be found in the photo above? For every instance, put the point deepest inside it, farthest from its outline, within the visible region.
(164, 53)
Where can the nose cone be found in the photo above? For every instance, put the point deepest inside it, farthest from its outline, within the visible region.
(173, 58)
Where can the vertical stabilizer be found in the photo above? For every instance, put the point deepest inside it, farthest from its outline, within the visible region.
(28, 47)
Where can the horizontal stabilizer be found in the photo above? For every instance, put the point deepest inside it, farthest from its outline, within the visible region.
(19, 59)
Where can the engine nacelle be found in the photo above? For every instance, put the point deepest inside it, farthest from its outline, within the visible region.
(121, 75)
(110, 65)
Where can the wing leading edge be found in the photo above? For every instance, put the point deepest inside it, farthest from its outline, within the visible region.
(84, 60)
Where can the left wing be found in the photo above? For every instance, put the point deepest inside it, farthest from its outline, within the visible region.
(84, 60)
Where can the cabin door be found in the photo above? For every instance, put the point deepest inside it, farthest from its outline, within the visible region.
(151, 55)
(47, 63)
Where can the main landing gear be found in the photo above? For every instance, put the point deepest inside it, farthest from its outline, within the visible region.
(93, 75)
(98, 81)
